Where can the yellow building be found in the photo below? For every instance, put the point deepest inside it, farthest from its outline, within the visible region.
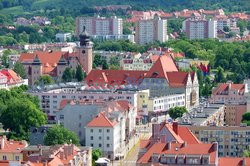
(11, 150)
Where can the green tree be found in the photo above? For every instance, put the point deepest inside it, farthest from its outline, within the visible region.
(246, 118)
(220, 77)
(226, 29)
(19, 69)
(177, 112)
(67, 75)
(96, 154)
(79, 73)
(19, 112)
(60, 135)
(45, 80)
(5, 61)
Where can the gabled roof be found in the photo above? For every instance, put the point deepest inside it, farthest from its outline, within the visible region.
(163, 65)
(45, 57)
(12, 76)
(179, 149)
(101, 121)
(183, 135)
(225, 87)
(114, 77)
(177, 79)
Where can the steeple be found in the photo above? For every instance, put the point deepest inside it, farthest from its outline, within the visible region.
(62, 61)
(84, 37)
(36, 60)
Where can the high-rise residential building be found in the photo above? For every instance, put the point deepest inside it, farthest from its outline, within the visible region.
(99, 25)
(197, 27)
(150, 30)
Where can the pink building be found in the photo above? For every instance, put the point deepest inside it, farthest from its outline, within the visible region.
(234, 98)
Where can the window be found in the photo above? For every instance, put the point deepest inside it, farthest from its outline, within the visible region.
(80, 116)
(91, 138)
(108, 130)
(17, 158)
(4, 157)
(108, 145)
(107, 137)
(100, 130)
(92, 145)
(100, 137)
(100, 145)
(61, 116)
(80, 134)
(80, 124)
(91, 130)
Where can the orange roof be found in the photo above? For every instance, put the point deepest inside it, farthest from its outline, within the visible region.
(101, 121)
(44, 56)
(187, 135)
(233, 161)
(189, 149)
(163, 65)
(12, 146)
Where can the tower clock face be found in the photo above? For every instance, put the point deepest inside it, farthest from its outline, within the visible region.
(83, 51)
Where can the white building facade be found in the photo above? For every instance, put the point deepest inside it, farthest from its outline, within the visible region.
(148, 31)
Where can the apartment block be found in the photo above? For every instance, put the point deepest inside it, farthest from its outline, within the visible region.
(148, 31)
(99, 26)
(232, 140)
(51, 96)
(197, 27)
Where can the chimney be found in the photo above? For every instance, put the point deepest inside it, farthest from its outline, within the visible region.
(61, 155)
(169, 146)
(155, 130)
(163, 138)
(184, 144)
(230, 85)
(215, 146)
(175, 127)
(244, 161)
(3, 138)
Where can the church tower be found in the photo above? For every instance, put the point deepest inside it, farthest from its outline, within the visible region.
(84, 51)
(35, 70)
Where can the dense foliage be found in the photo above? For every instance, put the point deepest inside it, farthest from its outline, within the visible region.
(19, 111)
(20, 70)
(86, 6)
(45, 80)
(246, 118)
(177, 112)
(60, 135)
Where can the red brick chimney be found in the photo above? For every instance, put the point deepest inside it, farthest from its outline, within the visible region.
(175, 127)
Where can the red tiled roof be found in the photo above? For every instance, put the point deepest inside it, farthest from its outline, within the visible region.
(189, 149)
(114, 77)
(225, 87)
(101, 121)
(233, 161)
(179, 79)
(187, 135)
(45, 57)
(12, 76)
(12, 146)
(124, 104)
(163, 65)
